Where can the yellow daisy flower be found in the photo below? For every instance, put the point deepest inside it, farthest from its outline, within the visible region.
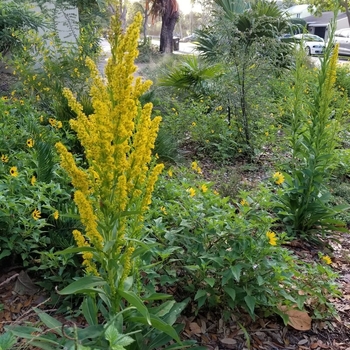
(13, 171)
(272, 237)
(4, 158)
(191, 191)
(36, 214)
(327, 259)
(278, 177)
(30, 143)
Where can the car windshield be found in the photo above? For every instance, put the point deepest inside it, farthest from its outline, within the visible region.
(312, 38)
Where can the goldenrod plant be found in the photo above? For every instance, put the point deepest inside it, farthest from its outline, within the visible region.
(303, 201)
(113, 190)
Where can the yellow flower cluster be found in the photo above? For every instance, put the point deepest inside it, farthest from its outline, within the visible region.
(118, 139)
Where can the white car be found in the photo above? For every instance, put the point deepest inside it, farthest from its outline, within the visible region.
(342, 37)
(313, 44)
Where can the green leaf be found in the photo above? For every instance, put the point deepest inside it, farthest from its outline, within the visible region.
(231, 292)
(236, 271)
(210, 281)
(163, 308)
(158, 324)
(75, 250)
(200, 293)
(158, 296)
(134, 300)
(89, 309)
(84, 285)
(260, 280)
(250, 301)
(49, 321)
(117, 339)
(7, 340)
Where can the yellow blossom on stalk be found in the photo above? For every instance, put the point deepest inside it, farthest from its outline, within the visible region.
(87, 256)
(13, 171)
(36, 214)
(194, 124)
(272, 237)
(196, 168)
(170, 173)
(4, 158)
(33, 180)
(163, 210)
(56, 215)
(191, 191)
(244, 203)
(52, 121)
(59, 125)
(327, 259)
(30, 143)
(116, 187)
(278, 178)
(204, 188)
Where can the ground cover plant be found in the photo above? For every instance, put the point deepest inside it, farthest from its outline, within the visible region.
(143, 250)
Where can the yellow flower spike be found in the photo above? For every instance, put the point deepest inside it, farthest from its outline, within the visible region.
(244, 203)
(170, 173)
(56, 215)
(118, 139)
(271, 237)
(13, 171)
(278, 178)
(327, 259)
(36, 214)
(204, 188)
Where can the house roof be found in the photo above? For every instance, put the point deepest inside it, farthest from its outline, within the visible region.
(324, 19)
(297, 9)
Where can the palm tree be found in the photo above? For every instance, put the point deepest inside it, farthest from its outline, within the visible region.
(168, 10)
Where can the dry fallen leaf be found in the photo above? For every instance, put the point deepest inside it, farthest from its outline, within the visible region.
(299, 320)
(195, 328)
(228, 341)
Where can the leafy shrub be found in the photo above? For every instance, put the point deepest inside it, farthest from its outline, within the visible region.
(33, 190)
(225, 255)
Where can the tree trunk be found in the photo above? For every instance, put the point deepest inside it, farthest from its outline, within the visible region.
(169, 19)
(346, 5)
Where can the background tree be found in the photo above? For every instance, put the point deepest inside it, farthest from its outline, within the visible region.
(168, 10)
(317, 6)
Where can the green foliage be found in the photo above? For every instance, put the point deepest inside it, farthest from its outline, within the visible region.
(46, 64)
(221, 255)
(29, 181)
(7, 341)
(16, 17)
(191, 75)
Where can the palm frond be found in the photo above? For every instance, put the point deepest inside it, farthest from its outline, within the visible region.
(45, 161)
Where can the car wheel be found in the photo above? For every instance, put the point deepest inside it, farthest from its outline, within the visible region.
(308, 51)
